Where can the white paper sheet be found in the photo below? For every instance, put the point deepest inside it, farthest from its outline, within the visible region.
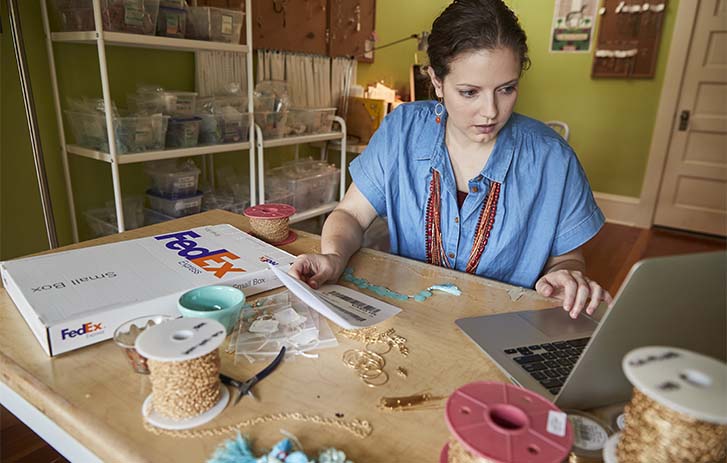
(343, 306)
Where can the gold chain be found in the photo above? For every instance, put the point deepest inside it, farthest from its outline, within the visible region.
(359, 428)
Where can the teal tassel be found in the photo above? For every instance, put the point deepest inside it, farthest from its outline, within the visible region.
(236, 450)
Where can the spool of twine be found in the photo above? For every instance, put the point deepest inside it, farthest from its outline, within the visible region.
(590, 435)
(270, 222)
(654, 433)
(502, 423)
(185, 389)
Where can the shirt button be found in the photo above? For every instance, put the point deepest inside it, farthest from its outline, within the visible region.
(456, 220)
(475, 189)
(451, 255)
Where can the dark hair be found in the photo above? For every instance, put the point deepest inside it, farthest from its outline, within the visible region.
(470, 25)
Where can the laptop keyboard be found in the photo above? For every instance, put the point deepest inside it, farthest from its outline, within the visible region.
(549, 363)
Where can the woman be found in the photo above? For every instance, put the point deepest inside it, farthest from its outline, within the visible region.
(466, 183)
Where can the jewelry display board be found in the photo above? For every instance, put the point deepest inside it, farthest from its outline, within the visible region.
(320, 27)
(352, 24)
(291, 25)
(628, 38)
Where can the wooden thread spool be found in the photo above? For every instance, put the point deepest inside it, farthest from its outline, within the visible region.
(269, 222)
(502, 423)
(184, 367)
(678, 411)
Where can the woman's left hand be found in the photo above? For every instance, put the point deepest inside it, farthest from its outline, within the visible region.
(574, 289)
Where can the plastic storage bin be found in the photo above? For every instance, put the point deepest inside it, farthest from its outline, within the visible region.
(274, 194)
(133, 211)
(214, 24)
(272, 124)
(180, 104)
(172, 21)
(303, 121)
(313, 183)
(172, 182)
(235, 128)
(176, 208)
(133, 133)
(183, 133)
(102, 221)
(131, 16)
(210, 129)
(151, 217)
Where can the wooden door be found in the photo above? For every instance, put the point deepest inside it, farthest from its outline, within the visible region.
(693, 194)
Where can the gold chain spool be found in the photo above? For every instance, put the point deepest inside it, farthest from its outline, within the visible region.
(678, 411)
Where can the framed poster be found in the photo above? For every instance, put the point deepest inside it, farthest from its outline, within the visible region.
(573, 22)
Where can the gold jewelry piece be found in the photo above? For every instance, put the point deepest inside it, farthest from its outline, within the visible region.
(424, 400)
(401, 371)
(387, 346)
(359, 428)
(378, 382)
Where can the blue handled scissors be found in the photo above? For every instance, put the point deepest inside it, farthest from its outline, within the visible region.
(245, 387)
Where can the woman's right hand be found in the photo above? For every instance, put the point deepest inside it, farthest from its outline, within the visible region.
(317, 269)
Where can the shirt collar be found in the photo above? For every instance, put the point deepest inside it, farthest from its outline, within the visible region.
(434, 148)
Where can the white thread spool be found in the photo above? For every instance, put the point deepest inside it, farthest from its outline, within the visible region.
(683, 381)
(178, 341)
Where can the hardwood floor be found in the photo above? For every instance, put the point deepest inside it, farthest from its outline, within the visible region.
(609, 256)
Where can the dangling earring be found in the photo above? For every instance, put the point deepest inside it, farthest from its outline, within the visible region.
(438, 111)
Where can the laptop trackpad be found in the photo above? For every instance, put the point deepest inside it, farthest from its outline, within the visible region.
(557, 323)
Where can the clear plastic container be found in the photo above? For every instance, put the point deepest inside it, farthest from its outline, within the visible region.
(172, 21)
(132, 16)
(214, 24)
(302, 121)
(183, 133)
(133, 211)
(102, 221)
(272, 124)
(180, 104)
(152, 217)
(210, 129)
(313, 183)
(134, 134)
(171, 181)
(235, 128)
(278, 195)
(145, 103)
(176, 208)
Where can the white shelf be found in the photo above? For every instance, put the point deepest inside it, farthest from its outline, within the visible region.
(285, 141)
(157, 155)
(315, 212)
(146, 41)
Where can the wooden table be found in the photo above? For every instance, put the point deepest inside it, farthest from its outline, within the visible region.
(93, 396)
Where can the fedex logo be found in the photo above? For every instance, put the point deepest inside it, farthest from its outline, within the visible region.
(267, 260)
(218, 262)
(86, 328)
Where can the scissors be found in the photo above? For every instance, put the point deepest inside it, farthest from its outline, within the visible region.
(245, 387)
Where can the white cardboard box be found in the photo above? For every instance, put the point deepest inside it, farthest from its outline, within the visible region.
(76, 298)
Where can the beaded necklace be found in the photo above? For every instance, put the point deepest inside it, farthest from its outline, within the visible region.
(433, 230)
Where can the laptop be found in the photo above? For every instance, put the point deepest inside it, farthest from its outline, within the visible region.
(676, 301)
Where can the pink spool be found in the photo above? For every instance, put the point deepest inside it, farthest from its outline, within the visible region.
(504, 423)
(265, 219)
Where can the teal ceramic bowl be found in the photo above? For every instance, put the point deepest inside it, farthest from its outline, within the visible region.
(221, 303)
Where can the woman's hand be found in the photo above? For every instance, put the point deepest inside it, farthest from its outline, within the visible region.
(574, 289)
(316, 269)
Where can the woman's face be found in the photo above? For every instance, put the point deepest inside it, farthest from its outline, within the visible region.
(479, 92)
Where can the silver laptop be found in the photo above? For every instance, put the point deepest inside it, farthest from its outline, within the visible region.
(678, 301)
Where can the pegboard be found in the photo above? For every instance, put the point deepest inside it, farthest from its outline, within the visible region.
(290, 25)
(628, 38)
(351, 24)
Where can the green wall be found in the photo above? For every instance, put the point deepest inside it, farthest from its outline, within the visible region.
(611, 120)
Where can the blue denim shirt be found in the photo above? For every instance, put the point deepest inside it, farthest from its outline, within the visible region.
(545, 207)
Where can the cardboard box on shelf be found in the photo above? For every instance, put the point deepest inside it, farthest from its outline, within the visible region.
(76, 298)
(364, 117)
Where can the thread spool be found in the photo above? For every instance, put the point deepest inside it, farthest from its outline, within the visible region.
(676, 393)
(590, 435)
(502, 423)
(173, 349)
(269, 222)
